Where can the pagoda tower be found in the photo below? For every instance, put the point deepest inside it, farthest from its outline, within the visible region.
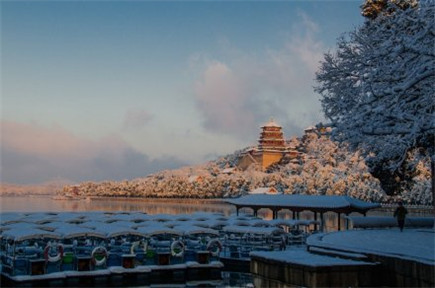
(271, 137)
(271, 148)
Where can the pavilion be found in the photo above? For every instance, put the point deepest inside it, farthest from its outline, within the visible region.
(298, 203)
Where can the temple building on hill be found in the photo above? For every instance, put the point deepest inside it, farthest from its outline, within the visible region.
(271, 148)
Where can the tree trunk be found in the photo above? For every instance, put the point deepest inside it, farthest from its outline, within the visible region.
(432, 169)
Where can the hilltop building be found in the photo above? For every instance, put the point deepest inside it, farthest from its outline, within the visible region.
(264, 190)
(270, 150)
(273, 148)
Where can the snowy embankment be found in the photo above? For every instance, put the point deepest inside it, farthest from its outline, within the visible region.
(411, 244)
(302, 257)
(388, 221)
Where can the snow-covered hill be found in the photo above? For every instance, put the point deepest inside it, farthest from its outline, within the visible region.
(322, 167)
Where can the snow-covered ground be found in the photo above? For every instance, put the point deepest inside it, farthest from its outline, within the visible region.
(411, 244)
(301, 256)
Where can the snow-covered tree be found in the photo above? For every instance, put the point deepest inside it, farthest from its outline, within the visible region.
(377, 88)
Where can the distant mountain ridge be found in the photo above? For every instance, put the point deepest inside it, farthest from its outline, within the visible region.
(45, 188)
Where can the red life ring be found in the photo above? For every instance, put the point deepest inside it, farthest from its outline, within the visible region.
(59, 255)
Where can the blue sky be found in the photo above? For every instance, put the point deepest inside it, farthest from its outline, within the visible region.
(95, 90)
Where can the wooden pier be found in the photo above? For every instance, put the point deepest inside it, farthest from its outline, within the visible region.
(329, 261)
(303, 268)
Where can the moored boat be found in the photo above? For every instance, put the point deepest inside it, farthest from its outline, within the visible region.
(72, 247)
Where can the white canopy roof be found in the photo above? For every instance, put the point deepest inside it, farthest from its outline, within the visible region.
(158, 229)
(31, 233)
(192, 230)
(74, 231)
(320, 203)
(253, 230)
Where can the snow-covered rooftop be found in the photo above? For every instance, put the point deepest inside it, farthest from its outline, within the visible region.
(31, 233)
(264, 190)
(67, 225)
(271, 123)
(252, 230)
(320, 203)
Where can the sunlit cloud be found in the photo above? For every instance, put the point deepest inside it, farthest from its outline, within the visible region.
(32, 154)
(239, 93)
(221, 95)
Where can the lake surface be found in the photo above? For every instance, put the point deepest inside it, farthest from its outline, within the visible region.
(150, 206)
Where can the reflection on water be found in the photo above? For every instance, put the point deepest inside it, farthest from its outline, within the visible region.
(153, 206)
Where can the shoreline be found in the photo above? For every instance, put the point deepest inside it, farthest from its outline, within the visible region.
(385, 207)
(163, 200)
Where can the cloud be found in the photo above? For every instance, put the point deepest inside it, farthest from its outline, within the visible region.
(220, 96)
(237, 95)
(33, 154)
(135, 118)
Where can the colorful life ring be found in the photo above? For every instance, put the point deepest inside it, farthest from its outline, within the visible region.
(102, 253)
(177, 248)
(214, 246)
(59, 255)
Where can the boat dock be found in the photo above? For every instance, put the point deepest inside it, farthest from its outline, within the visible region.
(105, 249)
(354, 258)
(125, 248)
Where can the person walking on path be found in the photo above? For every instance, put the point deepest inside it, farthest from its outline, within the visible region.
(400, 214)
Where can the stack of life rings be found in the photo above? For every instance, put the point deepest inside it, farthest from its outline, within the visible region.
(214, 246)
(99, 256)
(49, 248)
(177, 248)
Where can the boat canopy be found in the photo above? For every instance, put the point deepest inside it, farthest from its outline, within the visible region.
(253, 230)
(194, 230)
(293, 222)
(156, 229)
(18, 234)
(71, 231)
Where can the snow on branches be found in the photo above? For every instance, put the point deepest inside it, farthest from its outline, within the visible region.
(377, 88)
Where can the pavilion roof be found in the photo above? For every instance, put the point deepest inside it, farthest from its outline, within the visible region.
(315, 203)
(271, 123)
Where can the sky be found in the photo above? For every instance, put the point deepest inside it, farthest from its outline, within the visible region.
(114, 90)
